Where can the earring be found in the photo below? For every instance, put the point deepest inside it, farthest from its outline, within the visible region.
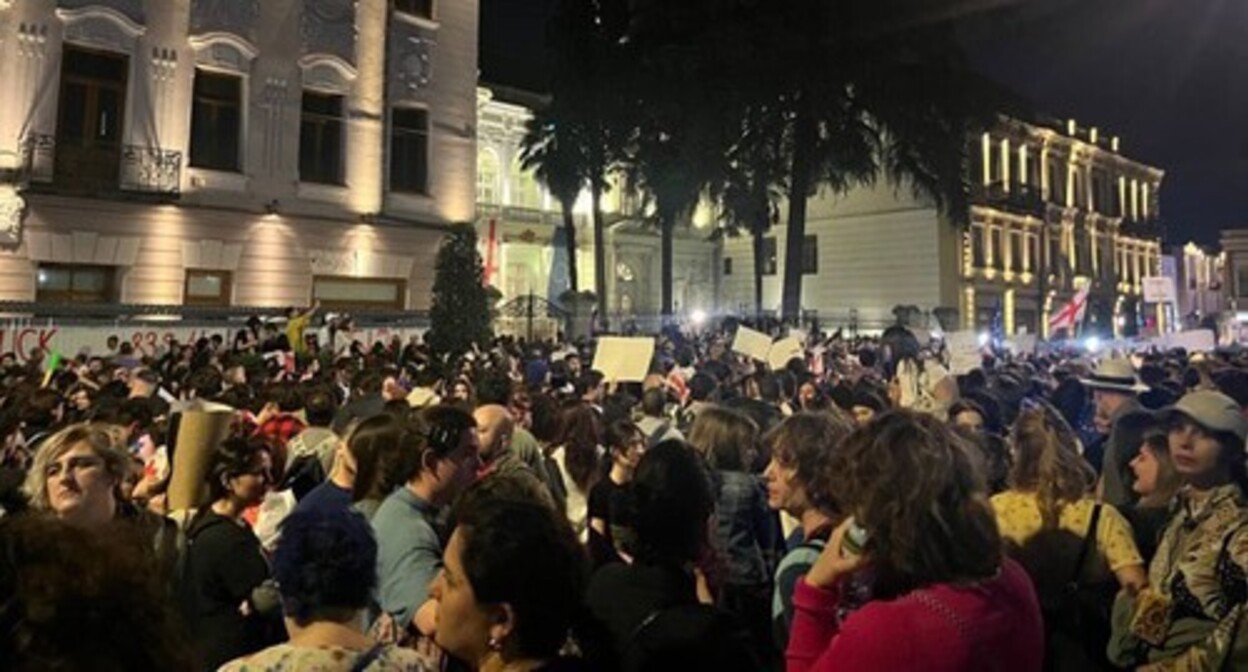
(495, 644)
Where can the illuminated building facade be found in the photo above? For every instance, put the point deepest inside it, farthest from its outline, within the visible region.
(518, 223)
(233, 152)
(1054, 207)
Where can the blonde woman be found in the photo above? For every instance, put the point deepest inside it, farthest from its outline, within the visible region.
(1052, 523)
(77, 475)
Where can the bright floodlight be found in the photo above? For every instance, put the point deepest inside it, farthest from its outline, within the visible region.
(1093, 344)
(983, 339)
(698, 317)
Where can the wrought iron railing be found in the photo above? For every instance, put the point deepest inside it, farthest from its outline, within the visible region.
(1015, 197)
(65, 165)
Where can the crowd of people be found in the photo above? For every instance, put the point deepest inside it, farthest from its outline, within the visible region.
(378, 507)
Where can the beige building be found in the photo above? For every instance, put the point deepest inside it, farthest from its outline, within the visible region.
(233, 152)
(1053, 210)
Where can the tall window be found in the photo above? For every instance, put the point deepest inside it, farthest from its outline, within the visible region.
(727, 265)
(409, 150)
(810, 255)
(63, 283)
(769, 256)
(90, 118)
(1016, 251)
(977, 247)
(216, 121)
(487, 178)
(421, 8)
(321, 138)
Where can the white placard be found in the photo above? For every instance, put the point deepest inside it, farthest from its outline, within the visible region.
(624, 359)
(751, 343)
(782, 352)
(964, 352)
(1159, 289)
(1196, 340)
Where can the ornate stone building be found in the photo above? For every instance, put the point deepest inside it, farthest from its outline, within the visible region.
(1055, 207)
(519, 225)
(233, 152)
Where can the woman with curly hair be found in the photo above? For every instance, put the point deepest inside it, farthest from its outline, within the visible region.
(943, 597)
(801, 449)
(326, 571)
(1045, 517)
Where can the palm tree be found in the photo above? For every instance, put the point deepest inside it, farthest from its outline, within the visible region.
(553, 154)
(753, 185)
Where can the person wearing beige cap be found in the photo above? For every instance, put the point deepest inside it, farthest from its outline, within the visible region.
(1194, 615)
(1115, 391)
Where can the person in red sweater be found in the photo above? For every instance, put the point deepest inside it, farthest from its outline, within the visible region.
(916, 578)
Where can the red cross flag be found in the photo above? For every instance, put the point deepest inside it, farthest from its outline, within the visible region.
(1071, 314)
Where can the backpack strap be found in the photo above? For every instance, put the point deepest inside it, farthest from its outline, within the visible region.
(658, 433)
(368, 658)
(1088, 539)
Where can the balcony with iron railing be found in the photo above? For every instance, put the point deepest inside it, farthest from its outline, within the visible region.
(69, 166)
(1015, 197)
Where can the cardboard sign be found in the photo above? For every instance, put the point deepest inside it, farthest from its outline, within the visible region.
(964, 352)
(1023, 344)
(752, 343)
(1196, 340)
(200, 430)
(1159, 289)
(624, 359)
(782, 352)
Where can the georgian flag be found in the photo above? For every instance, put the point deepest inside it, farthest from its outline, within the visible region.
(1072, 313)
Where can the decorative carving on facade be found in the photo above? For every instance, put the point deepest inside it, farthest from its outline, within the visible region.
(32, 40)
(329, 28)
(273, 102)
(164, 64)
(12, 211)
(101, 27)
(224, 50)
(414, 64)
(327, 73)
(239, 17)
(132, 9)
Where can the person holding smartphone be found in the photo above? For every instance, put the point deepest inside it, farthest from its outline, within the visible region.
(943, 595)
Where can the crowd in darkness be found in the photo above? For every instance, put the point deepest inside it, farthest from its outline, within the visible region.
(373, 506)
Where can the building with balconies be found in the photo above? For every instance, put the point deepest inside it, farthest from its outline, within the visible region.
(233, 152)
(1054, 207)
(1199, 279)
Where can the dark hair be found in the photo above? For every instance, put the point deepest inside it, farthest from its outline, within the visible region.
(547, 418)
(654, 402)
(319, 405)
(207, 382)
(441, 427)
(580, 437)
(912, 484)
(325, 565)
(807, 441)
(588, 381)
(234, 457)
(39, 409)
(387, 454)
(620, 433)
(75, 601)
(287, 396)
(769, 388)
(494, 388)
(701, 386)
(669, 503)
(520, 552)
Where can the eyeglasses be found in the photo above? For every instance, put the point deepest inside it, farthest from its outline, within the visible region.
(73, 464)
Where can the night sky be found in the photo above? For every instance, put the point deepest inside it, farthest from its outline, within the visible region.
(1168, 76)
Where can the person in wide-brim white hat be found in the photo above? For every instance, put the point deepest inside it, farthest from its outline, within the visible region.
(1115, 375)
